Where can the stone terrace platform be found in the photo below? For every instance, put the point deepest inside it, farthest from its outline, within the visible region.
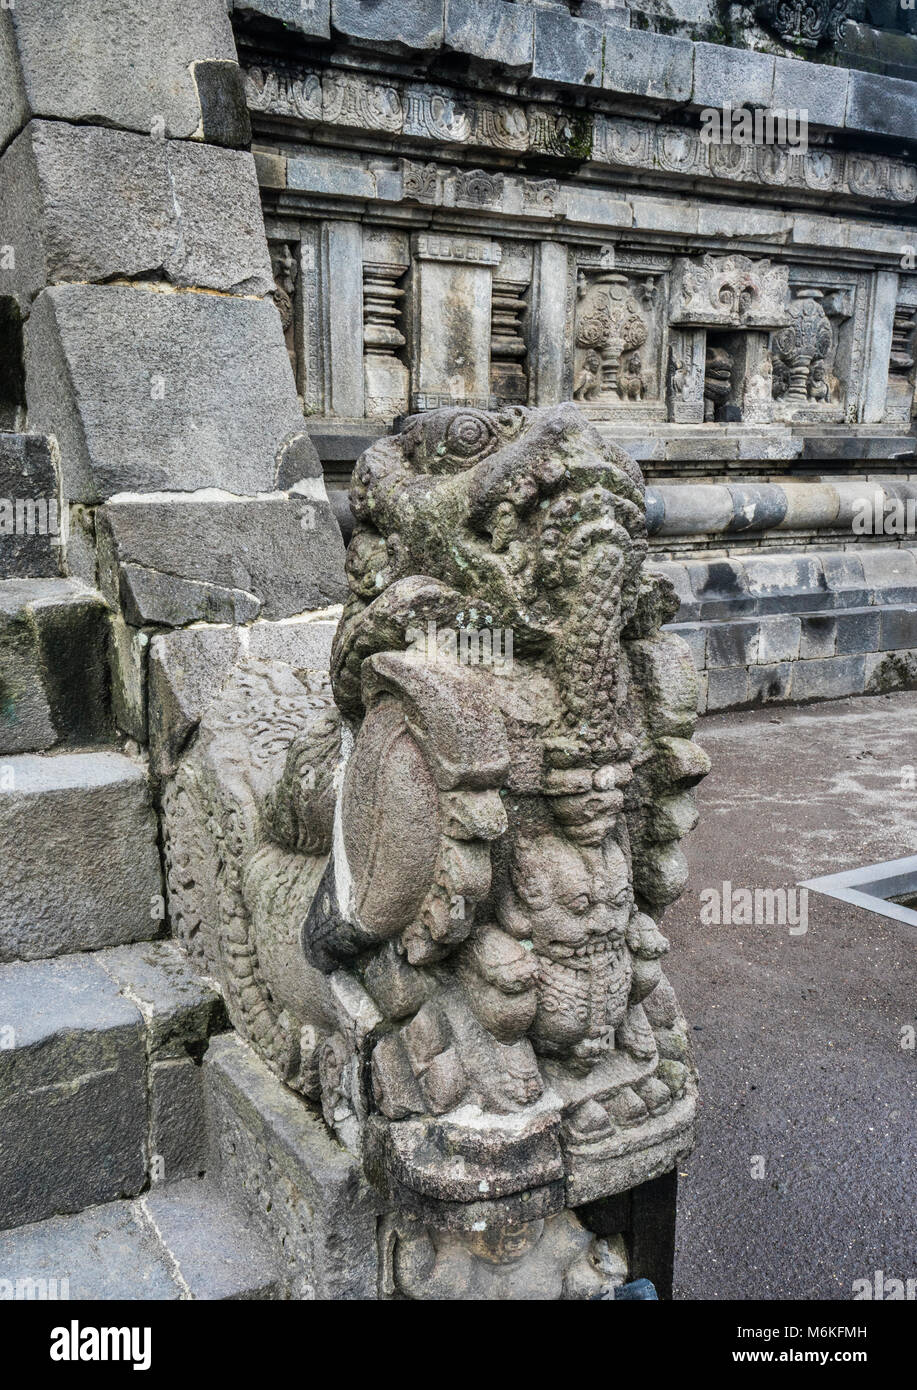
(798, 1037)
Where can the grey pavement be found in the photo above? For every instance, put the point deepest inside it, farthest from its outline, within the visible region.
(798, 1037)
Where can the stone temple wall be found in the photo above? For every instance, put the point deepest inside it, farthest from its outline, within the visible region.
(498, 203)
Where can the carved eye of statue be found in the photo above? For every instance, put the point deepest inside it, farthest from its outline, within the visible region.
(468, 435)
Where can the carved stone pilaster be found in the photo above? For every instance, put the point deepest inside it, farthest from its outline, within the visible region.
(508, 347)
(385, 375)
(899, 401)
(686, 377)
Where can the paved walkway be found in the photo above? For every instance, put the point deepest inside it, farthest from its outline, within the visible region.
(797, 1037)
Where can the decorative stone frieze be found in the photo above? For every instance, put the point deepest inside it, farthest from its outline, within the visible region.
(454, 117)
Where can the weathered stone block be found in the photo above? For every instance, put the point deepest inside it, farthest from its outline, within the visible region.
(732, 644)
(297, 1183)
(566, 49)
(494, 30)
(695, 635)
(52, 649)
(767, 684)
(187, 670)
(883, 105)
(818, 634)
(727, 687)
(14, 108)
(815, 88)
(888, 571)
(178, 1126)
(129, 649)
(695, 509)
(72, 1090)
(108, 1252)
(757, 507)
(787, 583)
(737, 76)
(857, 631)
(309, 17)
(678, 577)
(652, 65)
(149, 391)
(897, 628)
(719, 588)
(81, 832)
(844, 576)
(83, 203)
(809, 505)
(183, 1240)
(830, 679)
(408, 23)
(180, 1011)
(25, 716)
(117, 62)
(889, 671)
(182, 560)
(217, 1251)
(778, 640)
(30, 530)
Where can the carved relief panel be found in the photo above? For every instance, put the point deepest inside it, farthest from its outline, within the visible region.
(619, 337)
(819, 357)
(509, 326)
(723, 308)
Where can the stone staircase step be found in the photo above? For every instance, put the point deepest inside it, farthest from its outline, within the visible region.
(79, 864)
(54, 685)
(100, 1079)
(306, 1196)
(30, 530)
(182, 1241)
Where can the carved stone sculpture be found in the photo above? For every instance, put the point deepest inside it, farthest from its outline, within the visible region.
(808, 23)
(717, 381)
(434, 903)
